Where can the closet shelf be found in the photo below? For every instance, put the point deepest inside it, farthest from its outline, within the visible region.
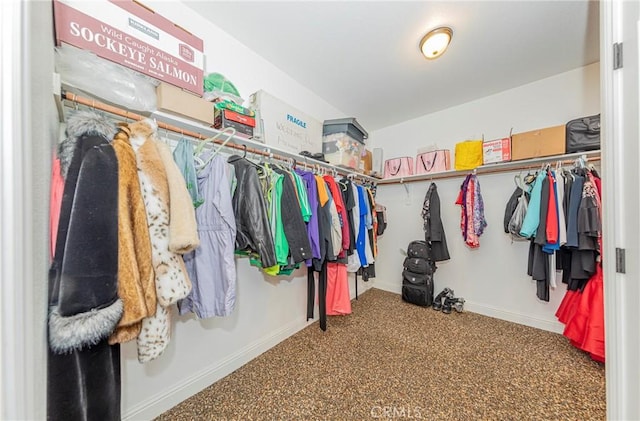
(192, 129)
(496, 168)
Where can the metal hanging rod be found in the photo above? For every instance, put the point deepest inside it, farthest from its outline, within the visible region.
(237, 143)
(567, 159)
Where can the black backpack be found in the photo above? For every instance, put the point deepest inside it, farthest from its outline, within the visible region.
(418, 248)
(417, 276)
(417, 288)
(418, 265)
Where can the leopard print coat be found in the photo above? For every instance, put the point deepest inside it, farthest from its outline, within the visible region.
(172, 281)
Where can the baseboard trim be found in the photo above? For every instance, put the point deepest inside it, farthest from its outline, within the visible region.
(396, 288)
(163, 401)
(485, 310)
(510, 316)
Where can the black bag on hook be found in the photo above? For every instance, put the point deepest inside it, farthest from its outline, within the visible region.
(583, 134)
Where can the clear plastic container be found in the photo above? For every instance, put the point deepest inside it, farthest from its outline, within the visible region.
(342, 149)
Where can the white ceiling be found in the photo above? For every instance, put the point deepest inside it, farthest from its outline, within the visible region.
(363, 57)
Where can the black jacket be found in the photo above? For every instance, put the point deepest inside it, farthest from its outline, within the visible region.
(253, 232)
(83, 370)
(512, 204)
(294, 227)
(433, 228)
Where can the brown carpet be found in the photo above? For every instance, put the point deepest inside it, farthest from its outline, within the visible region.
(392, 360)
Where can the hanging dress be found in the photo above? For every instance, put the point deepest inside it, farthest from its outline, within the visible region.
(211, 266)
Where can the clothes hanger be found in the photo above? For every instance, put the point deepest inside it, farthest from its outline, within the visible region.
(517, 179)
(200, 164)
(228, 131)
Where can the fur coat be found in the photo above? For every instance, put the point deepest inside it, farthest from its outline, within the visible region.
(183, 228)
(83, 370)
(172, 281)
(136, 278)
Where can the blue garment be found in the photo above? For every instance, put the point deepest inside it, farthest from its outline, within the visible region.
(532, 218)
(361, 239)
(183, 155)
(211, 266)
(572, 213)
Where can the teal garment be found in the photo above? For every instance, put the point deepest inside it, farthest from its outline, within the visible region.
(532, 218)
(305, 208)
(275, 218)
(183, 155)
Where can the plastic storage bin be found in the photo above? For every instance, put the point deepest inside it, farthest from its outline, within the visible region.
(345, 125)
(341, 149)
(343, 142)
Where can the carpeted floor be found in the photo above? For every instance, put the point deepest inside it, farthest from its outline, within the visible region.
(392, 360)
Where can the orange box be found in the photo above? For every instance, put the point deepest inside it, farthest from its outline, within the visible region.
(537, 143)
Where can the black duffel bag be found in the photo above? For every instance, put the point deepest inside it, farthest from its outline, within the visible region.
(583, 134)
(417, 288)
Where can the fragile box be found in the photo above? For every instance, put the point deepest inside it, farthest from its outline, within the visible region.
(537, 143)
(498, 150)
(175, 101)
(283, 126)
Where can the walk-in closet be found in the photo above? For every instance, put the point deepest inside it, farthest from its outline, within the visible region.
(309, 210)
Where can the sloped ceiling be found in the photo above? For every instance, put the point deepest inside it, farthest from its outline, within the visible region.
(363, 57)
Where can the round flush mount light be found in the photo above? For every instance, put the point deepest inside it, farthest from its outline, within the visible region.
(435, 43)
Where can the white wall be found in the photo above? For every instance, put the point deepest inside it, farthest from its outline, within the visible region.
(268, 310)
(493, 278)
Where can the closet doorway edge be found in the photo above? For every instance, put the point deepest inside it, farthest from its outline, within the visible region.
(619, 96)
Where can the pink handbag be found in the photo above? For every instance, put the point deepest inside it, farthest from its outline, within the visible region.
(398, 167)
(433, 161)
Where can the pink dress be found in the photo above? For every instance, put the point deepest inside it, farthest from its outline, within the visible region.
(338, 298)
(57, 189)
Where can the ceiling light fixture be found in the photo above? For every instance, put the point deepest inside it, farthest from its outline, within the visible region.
(435, 43)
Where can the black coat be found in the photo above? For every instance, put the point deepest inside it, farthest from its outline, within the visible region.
(83, 379)
(512, 204)
(253, 232)
(433, 229)
(294, 227)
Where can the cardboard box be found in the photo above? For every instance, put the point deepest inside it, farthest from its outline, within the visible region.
(537, 143)
(223, 121)
(366, 161)
(176, 101)
(133, 35)
(234, 116)
(284, 127)
(498, 150)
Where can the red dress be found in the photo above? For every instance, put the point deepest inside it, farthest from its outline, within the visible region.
(582, 313)
(585, 326)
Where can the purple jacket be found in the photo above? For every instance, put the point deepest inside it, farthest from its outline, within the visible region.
(312, 226)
